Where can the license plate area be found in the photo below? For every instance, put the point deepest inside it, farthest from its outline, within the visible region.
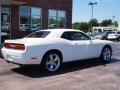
(9, 58)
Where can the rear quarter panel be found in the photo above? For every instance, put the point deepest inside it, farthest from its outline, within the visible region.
(38, 50)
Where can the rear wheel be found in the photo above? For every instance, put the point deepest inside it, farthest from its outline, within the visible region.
(52, 61)
(106, 54)
(22, 66)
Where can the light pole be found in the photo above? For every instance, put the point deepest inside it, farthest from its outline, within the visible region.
(113, 17)
(92, 4)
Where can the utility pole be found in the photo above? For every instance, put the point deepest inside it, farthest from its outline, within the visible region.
(113, 17)
(92, 4)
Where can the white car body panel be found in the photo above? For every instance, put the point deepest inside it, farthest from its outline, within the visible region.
(37, 47)
(114, 35)
(85, 47)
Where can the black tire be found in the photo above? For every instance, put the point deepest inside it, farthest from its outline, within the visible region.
(118, 39)
(51, 61)
(22, 66)
(106, 54)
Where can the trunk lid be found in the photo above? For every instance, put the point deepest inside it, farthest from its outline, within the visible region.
(25, 40)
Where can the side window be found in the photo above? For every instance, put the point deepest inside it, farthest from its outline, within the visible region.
(65, 35)
(80, 36)
(74, 36)
(118, 32)
(84, 37)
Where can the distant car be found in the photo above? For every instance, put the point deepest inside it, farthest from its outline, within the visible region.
(35, 27)
(114, 35)
(102, 35)
(24, 27)
(52, 47)
(91, 34)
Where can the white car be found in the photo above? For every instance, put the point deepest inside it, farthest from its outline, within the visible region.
(52, 47)
(114, 35)
(102, 35)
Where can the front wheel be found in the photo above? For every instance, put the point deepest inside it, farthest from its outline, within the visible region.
(106, 54)
(118, 39)
(52, 61)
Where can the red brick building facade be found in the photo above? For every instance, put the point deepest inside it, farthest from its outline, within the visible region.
(24, 16)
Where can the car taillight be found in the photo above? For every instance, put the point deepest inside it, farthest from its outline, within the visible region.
(14, 46)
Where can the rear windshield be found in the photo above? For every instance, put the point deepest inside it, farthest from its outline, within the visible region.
(38, 34)
(118, 32)
(112, 32)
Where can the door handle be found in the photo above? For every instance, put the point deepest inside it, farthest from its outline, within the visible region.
(91, 41)
(76, 43)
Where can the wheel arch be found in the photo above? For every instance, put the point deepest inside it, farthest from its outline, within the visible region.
(107, 45)
(101, 55)
(53, 50)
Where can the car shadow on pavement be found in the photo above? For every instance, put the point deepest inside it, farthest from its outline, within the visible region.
(37, 72)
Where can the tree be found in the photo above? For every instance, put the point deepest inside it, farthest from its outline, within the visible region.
(75, 25)
(81, 26)
(116, 24)
(106, 23)
(86, 26)
(94, 23)
(24, 20)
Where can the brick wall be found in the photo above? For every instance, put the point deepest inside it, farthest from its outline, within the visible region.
(45, 5)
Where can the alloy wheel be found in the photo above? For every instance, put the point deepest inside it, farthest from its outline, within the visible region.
(53, 62)
(106, 54)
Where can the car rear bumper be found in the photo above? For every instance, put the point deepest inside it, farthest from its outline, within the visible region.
(112, 38)
(18, 57)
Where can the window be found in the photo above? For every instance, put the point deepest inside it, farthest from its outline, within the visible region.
(99, 30)
(112, 32)
(38, 34)
(30, 18)
(52, 19)
(95, 29)
(61, 19)
(5, 22)
(74, 36)
(57, 19)
(24, 18)
(35, 18)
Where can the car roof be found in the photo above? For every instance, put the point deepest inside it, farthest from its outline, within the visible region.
(58, 32)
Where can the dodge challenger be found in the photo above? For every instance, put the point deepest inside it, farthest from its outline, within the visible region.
(52, 47)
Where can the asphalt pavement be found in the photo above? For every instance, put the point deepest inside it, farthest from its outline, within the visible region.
(80, 75)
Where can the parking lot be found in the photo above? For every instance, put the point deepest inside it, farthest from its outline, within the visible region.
(81, 75)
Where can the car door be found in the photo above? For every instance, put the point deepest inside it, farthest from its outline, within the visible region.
(83, 46)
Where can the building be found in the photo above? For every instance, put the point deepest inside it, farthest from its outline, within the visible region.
(102, 29)
(18, 18)
(119, 26)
